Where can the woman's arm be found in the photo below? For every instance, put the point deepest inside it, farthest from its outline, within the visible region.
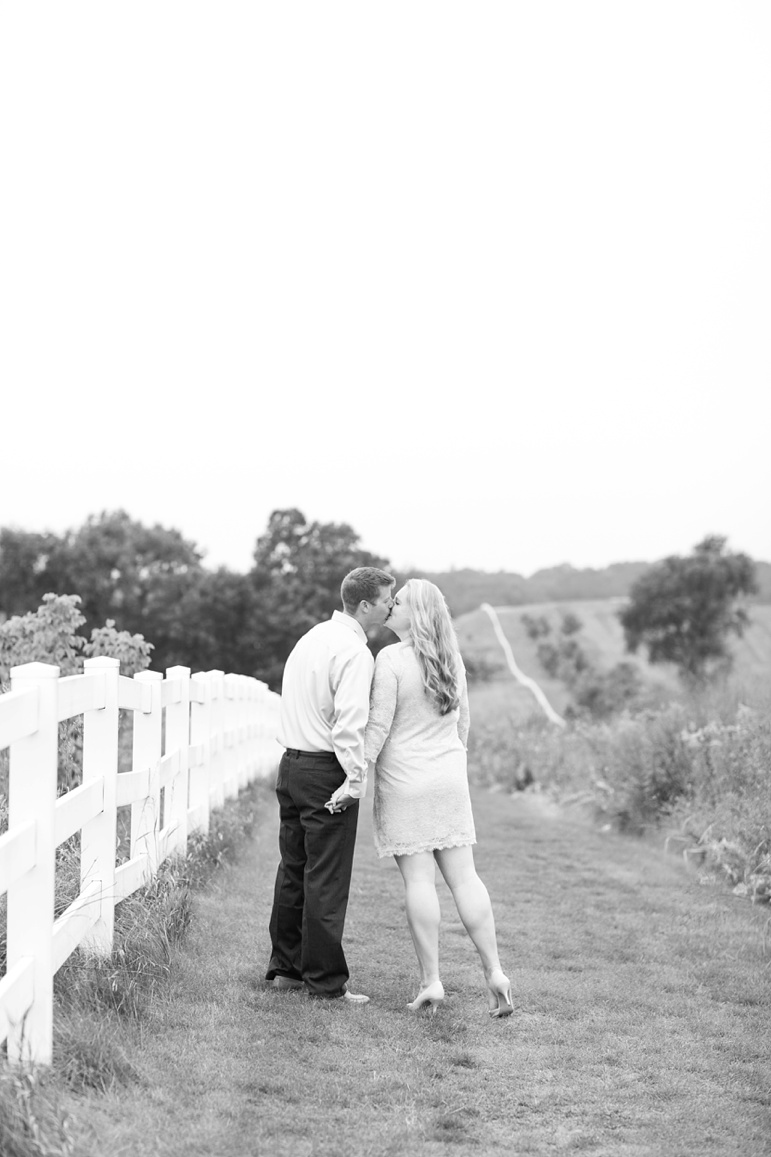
(464, 719)
(382, 705)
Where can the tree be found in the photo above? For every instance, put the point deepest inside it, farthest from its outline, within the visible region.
(211, 624)
(24, 574)
(684, 609)
(122, 569)
(150, 581)
(298, 568)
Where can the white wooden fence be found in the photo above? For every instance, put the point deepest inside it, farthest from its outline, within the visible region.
(196, 741)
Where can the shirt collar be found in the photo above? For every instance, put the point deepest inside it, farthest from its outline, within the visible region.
(353, 624)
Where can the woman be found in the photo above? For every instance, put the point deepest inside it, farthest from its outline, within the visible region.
(417, 732)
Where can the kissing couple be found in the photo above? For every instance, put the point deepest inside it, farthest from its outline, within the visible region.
(406, 713)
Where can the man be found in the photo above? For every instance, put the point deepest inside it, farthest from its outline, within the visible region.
(321, 778)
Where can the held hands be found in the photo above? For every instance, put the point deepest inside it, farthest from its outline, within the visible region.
(339, 801)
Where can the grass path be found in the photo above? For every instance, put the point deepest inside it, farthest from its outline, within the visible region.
(642, 1018)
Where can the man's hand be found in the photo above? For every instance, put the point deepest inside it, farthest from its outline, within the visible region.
(339, 801)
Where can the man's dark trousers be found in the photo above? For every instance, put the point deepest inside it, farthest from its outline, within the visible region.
(314, 877)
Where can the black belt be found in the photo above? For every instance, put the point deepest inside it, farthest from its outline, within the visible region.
(311, 754)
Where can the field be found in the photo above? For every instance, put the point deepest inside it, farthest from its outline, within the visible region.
(640, 1027)
(640, 977)
(603, 640)
(688, 766)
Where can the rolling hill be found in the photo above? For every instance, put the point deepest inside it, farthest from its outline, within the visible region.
(465, 589)
(602, 638)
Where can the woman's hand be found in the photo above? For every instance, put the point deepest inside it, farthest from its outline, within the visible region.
(339, 801)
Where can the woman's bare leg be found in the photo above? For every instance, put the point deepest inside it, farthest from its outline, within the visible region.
(473, 903)
(423, 914)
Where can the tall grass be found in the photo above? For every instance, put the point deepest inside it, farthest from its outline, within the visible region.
(100, 1002)
(697, 769)
(32, 1123)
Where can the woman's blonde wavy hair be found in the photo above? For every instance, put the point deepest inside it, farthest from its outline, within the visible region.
(436, 645)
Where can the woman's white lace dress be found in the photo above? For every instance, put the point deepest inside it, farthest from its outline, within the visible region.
(421, 796)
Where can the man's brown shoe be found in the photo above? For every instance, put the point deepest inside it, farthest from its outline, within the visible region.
(353, 998)
(286, 983)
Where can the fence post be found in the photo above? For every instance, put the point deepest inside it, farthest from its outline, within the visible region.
(231, 736)
(98, 837)
(270, 749)
(251, 729)
(32, 796)
(217, 741)
(243, 733)
(260, 726)
(178, 739)
(200, 733)
(146, 813)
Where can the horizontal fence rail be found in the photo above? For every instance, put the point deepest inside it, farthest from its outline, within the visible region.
(196, 741)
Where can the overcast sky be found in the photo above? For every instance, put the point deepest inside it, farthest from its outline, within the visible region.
(491, 282)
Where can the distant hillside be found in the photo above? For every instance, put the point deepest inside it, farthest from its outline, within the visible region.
(603, 639)
(466, 589)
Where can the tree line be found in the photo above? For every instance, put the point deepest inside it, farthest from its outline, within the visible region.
(150, 581)
(465, 589)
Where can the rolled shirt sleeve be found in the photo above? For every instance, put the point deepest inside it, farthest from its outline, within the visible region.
(351, 679)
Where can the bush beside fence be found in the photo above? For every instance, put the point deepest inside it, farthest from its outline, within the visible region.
(197, 740)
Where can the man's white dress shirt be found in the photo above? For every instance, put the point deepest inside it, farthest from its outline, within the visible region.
(325, 696)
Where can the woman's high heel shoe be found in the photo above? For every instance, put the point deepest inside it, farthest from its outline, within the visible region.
(499, 998)
(432, 995)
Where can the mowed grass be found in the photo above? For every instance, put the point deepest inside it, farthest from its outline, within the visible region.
(642, 1017)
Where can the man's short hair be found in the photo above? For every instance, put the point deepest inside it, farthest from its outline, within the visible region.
(365, 582)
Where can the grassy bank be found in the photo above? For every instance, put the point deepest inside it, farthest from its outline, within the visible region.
(101, 1005)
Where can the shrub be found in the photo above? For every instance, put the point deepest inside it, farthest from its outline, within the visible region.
(507, 754)
(645, 763)
(132, 650)
(602, 694)
(49, 635)
(700, 765)
(480, 669)
(596, 694)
